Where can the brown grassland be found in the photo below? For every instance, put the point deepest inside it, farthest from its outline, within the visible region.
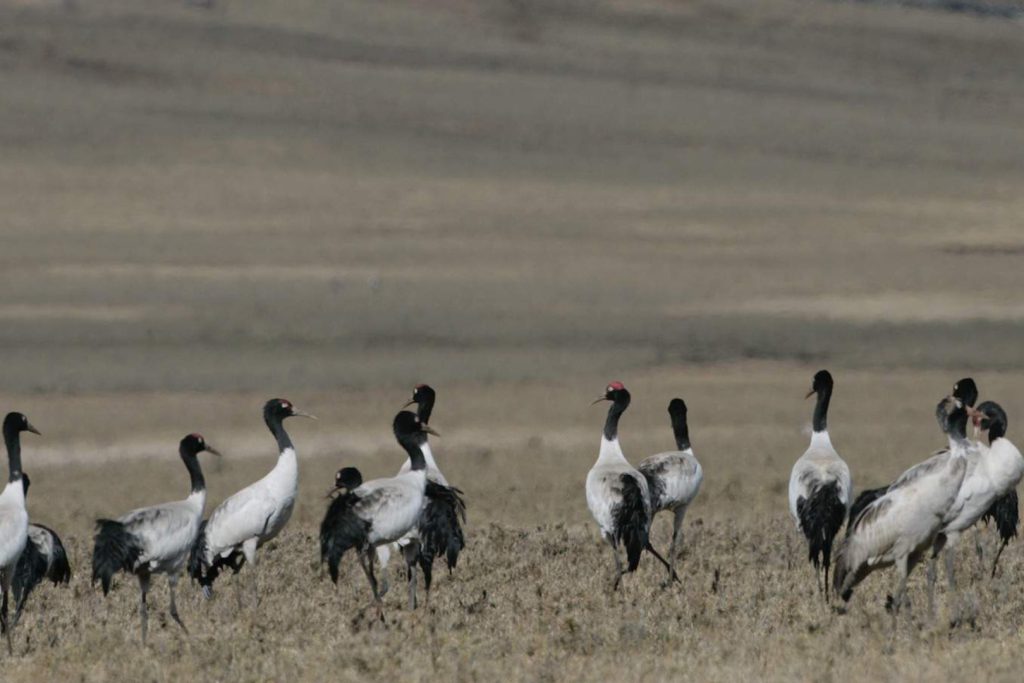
(515, 201)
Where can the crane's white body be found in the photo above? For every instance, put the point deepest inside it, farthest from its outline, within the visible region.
(433, 473)
(393, 506)
(166, 532)
(257, 513)
(604, 485)
(900, 527)
(13, 529)
(819, 466)
(679, 475)
(991, 472)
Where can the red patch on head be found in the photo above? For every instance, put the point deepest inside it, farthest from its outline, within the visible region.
(196, 435)
(616, 386)
(418, 387)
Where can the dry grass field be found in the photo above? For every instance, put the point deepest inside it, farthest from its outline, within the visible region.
(516, 201)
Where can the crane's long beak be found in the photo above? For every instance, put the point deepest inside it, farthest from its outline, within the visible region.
(599, 399)
(211, 449)
(299, 413)
(810, 393)
(30, 428)
(408, 403)
(429, 430)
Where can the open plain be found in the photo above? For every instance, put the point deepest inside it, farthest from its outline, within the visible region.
(515, 201)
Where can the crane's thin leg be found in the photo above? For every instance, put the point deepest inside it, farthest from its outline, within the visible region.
(143, 613)
(951, 578)
(384, 579)
(172, 584)
(995, 563)
(677, 536)
(7, 628)
(932, 575)
(370, 556)
(427, 567)
(903, 567)
(618, 563)
(249, 550)
(672, 576)
(411, 553)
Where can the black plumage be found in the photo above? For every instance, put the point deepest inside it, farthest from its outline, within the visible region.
(204, 574)
(116, 549)
(865, 499)
(440, 528)
(821, 517)
(632, 521)
(341, 529)
(1005, 512)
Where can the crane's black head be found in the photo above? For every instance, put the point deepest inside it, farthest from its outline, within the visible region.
(616, 393)
(952, 416)
(194, 444)
(421, 393)
(677, 408)
(25, 483)
(348, 478)
(822, 383)
(409, 428)
(966, 390)
(277, 409)
(15, 423)
(990, 417)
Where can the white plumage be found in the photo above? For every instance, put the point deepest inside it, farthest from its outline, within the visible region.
(900, 527)
(254, 515)
(674, 477)
(13, 516)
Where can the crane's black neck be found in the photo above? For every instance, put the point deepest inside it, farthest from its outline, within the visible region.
(996, 430)
(12, 439)
(958, 424)
(615, 411)
(195, 472)
(275, 423)
(681, 430)
(820, 420)
(413, 446)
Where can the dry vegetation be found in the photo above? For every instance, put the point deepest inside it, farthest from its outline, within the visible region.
(515, 201)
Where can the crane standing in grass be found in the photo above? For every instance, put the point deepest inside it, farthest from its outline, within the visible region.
(156, 539)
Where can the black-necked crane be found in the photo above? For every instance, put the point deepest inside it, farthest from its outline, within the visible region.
(900, 527)
(992, 471)
(967, 392)
(381, 511)
(44, 557)
(156, 539)
(252, 516)
(617, 493)
(1004, 511)
(819, 485)
(13, 515)
(674, 477)
(439, 532)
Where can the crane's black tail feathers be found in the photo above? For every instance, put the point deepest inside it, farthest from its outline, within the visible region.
(632, 521)
(205, 573)
(32, 569)
(1005, 512)
(821, 517)
(440, 527)
(115, 549)
(340, 530)
(863, 500)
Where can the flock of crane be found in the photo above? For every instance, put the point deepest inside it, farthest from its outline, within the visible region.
(418, 514)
